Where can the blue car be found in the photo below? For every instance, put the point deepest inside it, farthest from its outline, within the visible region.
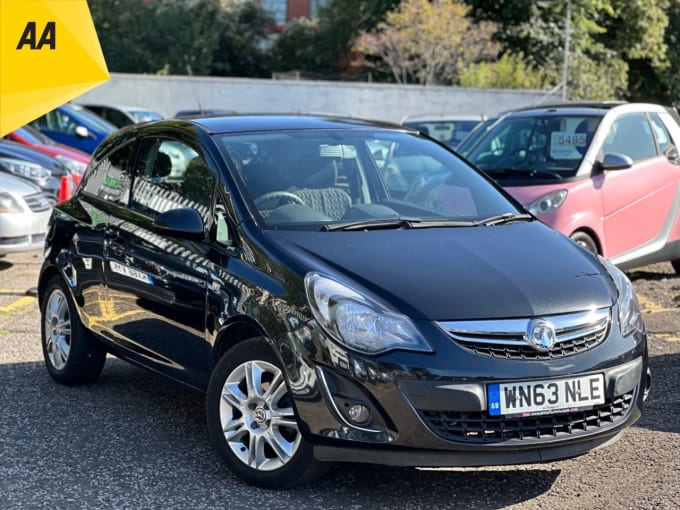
(75, 126)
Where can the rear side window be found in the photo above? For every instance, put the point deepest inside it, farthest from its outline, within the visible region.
(109, 179)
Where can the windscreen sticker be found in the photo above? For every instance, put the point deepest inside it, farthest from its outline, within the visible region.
(130, 272)
(566, 145)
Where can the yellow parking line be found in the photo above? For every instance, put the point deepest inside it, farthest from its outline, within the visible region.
(19, 303)
(649, 307)
(668, 337)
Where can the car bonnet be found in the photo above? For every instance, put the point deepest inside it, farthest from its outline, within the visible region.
(506, 271)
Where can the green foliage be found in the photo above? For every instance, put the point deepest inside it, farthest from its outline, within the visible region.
(325, 45)
(605, 36)
(427, 41)
(199, 37)
(511, 71)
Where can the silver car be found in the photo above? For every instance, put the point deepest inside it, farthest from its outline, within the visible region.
(24, 212)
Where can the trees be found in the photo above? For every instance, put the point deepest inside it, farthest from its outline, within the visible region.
(200, 37)
(606, 35)
(427, 42)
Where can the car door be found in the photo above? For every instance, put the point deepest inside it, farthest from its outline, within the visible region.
(638, 201)
(104, 189)
(158, 281)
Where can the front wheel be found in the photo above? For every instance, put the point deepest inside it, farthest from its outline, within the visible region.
(584, 240)
(72, 355)
(252, 421)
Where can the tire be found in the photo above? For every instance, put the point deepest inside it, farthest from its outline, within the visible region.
(73, 356)
(584, 240)
(676, 266)
(241, 420)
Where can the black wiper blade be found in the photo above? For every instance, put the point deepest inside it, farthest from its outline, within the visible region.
(505, 218)
(526, 172)
(395, 223)
(376, 224)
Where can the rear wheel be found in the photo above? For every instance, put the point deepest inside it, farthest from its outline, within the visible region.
(584, 240)
(72, 355)
(252, 420)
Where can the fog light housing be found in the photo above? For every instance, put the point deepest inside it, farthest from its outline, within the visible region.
(359, 413)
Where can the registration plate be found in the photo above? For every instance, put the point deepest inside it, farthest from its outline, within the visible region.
(544, 397)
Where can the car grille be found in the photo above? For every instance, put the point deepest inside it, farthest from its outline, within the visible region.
(480, 428)
(575, 332)
(38, 202)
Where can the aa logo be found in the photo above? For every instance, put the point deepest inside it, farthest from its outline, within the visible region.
(49, 54)
(48, 37)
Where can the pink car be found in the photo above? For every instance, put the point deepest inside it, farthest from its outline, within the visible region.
(605, 174)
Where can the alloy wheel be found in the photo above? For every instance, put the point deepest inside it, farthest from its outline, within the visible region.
(257, 416)
(57, 329)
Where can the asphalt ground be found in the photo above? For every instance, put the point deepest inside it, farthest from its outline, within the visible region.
(134, 440)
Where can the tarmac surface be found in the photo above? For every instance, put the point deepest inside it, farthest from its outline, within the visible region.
(134, 440)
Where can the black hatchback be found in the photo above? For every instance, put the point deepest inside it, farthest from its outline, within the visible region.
(267, 262)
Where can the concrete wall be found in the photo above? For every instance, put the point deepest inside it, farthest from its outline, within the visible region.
(168, 94)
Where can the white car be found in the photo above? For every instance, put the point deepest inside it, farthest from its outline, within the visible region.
(24, 213)
(448, 128)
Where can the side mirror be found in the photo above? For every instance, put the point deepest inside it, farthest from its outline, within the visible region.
(672, 154)
(184, 222)
(616, 161)
(83, 132)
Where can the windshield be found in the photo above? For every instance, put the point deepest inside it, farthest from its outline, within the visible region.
(449, 132)
(313, 179)
(33, 136)
(89, 119)
(144, 115)
(540, 146)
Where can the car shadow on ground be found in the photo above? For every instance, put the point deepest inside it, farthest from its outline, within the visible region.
(664, 396)
(138, 440)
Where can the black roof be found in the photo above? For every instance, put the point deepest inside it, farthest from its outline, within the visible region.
(249, 123)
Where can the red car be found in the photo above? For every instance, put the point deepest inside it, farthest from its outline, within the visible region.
(74, 159)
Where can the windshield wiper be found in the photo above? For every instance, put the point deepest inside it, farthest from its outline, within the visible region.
(396, 223)
(377, 224)
(529, 172)
(505, 218)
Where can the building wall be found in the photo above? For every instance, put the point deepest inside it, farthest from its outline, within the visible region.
(389, 102)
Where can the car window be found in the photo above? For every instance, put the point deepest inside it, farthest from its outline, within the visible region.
(631, 134)
(449, 132)
(109, 178)
(302, 179)
(58, 121)
(170, 174)
(661, 134)
(539, 146)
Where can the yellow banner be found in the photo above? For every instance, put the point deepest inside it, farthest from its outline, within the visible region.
(49, 54)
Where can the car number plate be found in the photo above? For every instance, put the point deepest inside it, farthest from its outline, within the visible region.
(545, 397)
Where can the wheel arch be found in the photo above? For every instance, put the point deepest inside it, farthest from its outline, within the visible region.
(590, 233)
(236, 331)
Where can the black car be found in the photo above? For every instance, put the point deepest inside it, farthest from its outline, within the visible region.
(262, 260)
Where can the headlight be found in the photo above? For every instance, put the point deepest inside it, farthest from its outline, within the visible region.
(9, 204)
(23, 168)
(547, 202)
(630, 318)
(358, 322)
(71, 164)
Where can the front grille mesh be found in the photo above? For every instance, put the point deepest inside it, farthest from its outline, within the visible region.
(507, 338)
(38, 202)
(480, 428)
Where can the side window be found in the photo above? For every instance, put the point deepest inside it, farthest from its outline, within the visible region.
(170, 174)
(631, 135)
(663, 138)
(109, 179)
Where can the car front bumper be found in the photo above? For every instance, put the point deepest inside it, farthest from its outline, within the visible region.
(439, 416)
